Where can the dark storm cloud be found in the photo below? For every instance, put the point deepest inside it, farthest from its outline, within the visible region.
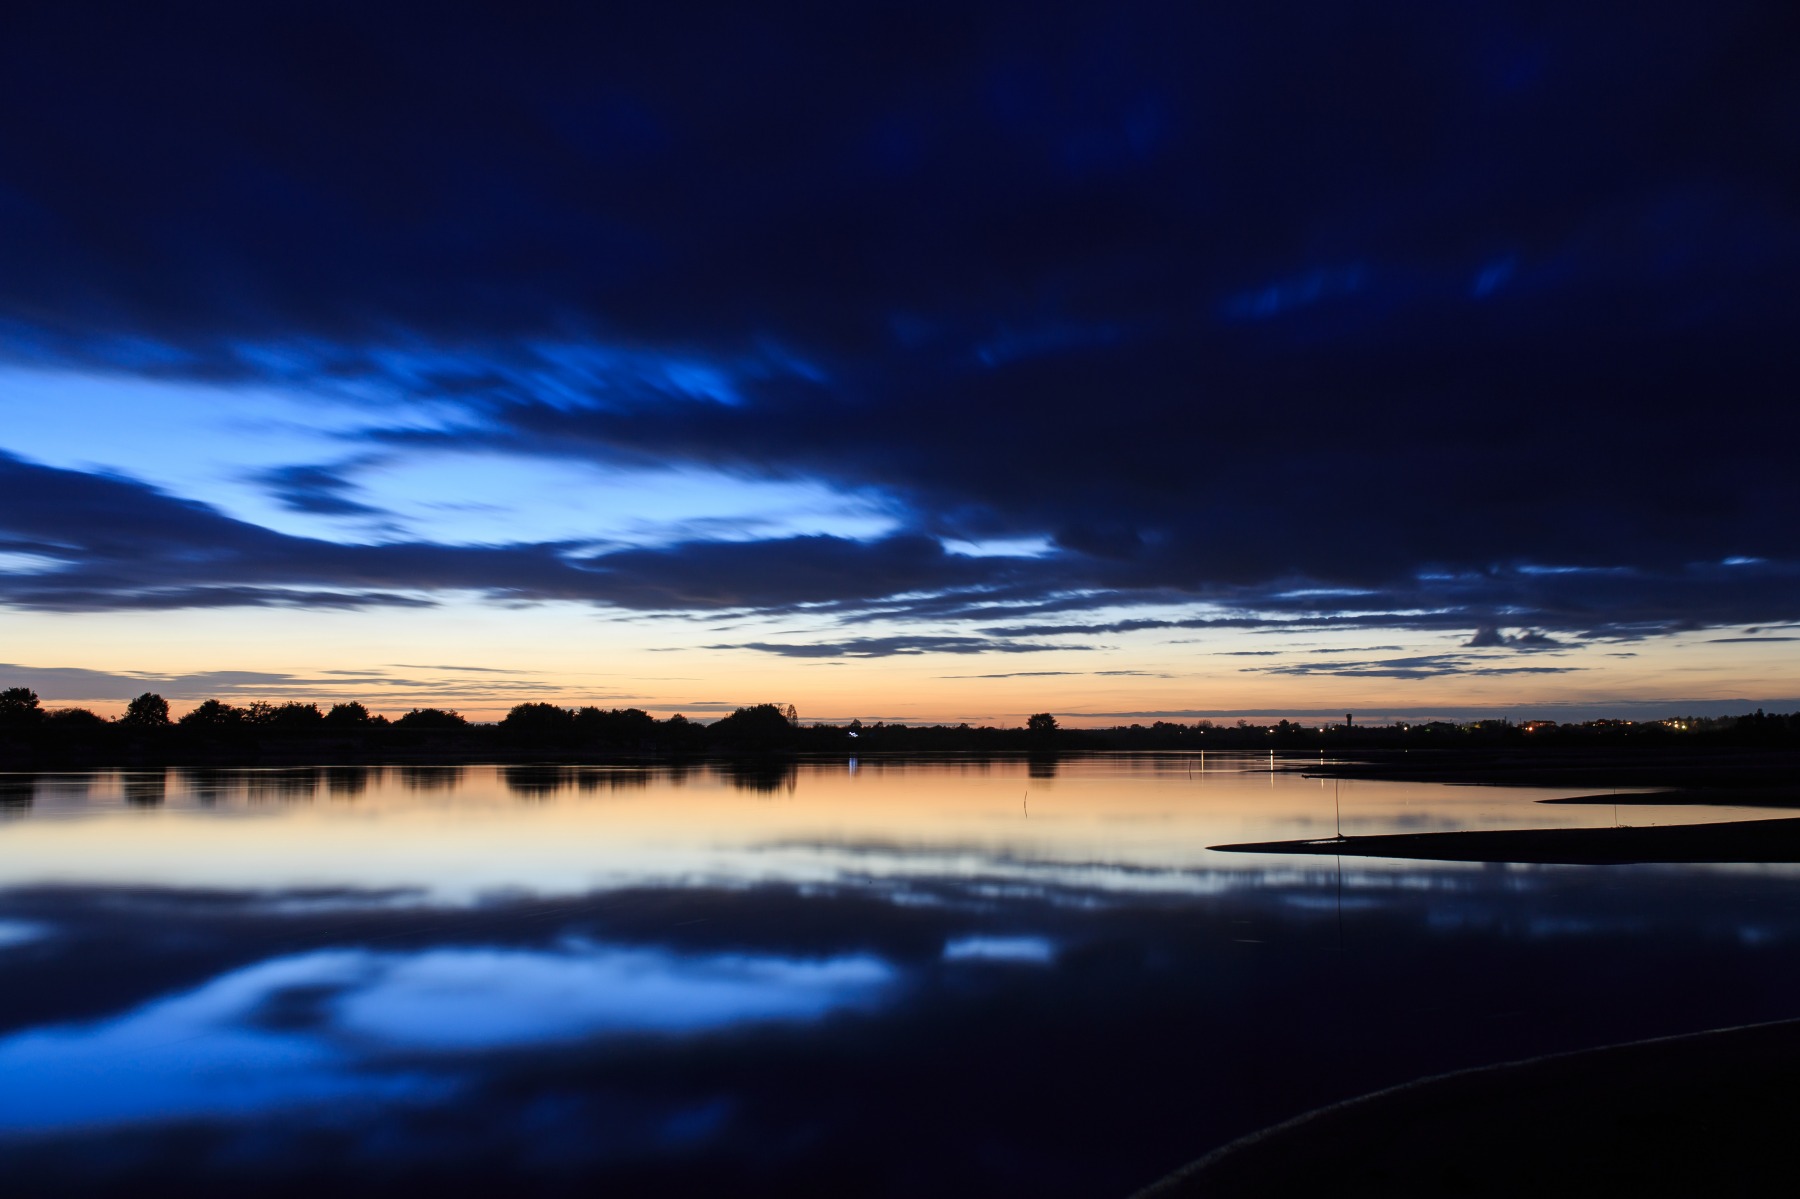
(1224, 304)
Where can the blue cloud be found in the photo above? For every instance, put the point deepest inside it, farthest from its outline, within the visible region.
(1221, 309)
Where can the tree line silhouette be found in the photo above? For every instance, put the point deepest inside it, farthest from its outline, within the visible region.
(348, 731)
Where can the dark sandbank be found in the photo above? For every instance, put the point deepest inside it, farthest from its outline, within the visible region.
(1710, 1113)
(1737, 841)
(1721, 770)
(1723, 797)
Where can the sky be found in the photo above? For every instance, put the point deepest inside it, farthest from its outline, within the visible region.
(904, 361)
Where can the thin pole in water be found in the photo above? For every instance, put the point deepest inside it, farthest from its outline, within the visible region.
(1340, 902)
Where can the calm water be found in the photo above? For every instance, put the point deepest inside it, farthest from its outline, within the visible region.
(880, 978)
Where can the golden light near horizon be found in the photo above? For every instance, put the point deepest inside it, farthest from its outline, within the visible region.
(569, 655)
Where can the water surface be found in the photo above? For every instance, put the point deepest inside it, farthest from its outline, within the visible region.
(883, 978)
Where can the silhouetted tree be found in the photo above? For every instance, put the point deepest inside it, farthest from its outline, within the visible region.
(19, 705)
(619, 726)
(149, 710)
(348, 714)
(538, 718)
(295, 716)
(214, 714)
(71, 719)
(762, 726)
(678, 730)
(432, 718)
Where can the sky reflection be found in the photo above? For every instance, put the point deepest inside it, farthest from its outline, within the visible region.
(1106, 824)
(1039, 982)
(1021, 950)
(18, 932)
(462, 999)
(327, 1026)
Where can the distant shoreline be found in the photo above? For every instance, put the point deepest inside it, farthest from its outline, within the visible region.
(267, 733)
(1680, 775)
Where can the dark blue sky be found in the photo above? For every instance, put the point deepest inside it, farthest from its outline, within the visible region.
(913, 329)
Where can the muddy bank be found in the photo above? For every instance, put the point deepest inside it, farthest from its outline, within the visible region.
(1736, 841)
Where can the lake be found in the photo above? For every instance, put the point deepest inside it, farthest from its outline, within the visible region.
(917, 977)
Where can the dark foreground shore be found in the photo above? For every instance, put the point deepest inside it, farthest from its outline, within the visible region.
(1709, 1114)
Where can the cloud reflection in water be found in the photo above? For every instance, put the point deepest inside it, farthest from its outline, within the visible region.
(1028, 951)
(19, 932)
(317, 1027)
(463, 998)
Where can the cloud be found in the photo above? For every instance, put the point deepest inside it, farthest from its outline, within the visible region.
(1746, 640)
(471, 669)
(76, 683)
(1021, 674)
(1550, 708)
(1421, 666)
(1524, 639)
(899, 645)
(316, 489)
(104, 541)
(114, 542)
(786, 573)
(278, 1034)
(966, 273)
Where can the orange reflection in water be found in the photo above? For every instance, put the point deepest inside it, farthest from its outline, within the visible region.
(1134, 821)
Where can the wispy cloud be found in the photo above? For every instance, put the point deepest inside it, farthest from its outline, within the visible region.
(1014, 674)
(898, 645)
(76, 683)
(1421, 666)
